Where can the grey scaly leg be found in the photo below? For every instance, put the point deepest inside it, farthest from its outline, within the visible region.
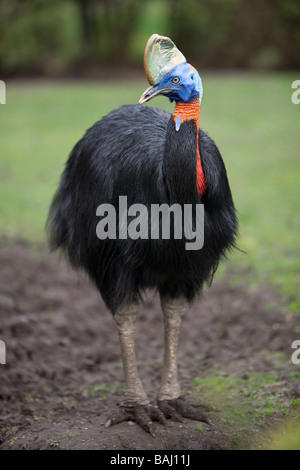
(170, 400)
(136, 406)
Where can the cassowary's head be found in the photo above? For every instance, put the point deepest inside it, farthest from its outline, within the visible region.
(168, 72)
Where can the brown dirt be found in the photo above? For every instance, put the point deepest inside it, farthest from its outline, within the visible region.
(63, 373)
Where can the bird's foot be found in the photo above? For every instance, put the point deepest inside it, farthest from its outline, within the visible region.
(143, 415)
(179, 408)
(176, 409)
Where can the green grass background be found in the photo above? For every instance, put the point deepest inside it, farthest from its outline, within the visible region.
(251, 118)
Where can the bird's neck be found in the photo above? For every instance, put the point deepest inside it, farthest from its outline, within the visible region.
(191, 112)
(187, 112)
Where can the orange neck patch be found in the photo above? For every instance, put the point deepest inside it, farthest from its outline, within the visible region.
(191, 112)
(188, 111)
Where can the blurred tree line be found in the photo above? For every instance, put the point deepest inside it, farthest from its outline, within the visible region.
(60, 37)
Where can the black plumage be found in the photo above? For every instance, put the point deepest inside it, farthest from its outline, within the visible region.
(135, 151)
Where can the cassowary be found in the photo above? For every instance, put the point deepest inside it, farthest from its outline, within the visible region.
(154, 159)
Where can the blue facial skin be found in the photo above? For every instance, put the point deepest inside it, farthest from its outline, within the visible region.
(187, 89)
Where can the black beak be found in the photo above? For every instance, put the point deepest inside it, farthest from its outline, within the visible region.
(156, 90)
(150, 93)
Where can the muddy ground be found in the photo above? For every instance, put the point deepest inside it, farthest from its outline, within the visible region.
(63, 373)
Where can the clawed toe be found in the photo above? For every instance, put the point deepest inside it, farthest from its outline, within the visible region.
(143, 415)
(175, 410)
(180, 408)
(117, 417)
(170, 411)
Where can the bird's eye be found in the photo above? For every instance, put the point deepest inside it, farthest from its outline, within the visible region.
(193, 77)
(175, 80)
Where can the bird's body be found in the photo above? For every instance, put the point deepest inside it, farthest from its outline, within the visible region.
(154, 160)
(136, 152)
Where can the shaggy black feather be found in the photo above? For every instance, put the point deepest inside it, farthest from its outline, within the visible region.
(135, 151)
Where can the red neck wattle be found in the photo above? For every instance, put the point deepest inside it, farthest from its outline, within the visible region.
(191, 111)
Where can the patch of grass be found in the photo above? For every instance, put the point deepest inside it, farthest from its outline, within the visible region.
(294, 306)
(200, 428)
(294, 376)
(266, 392)
(216, 382)
(30, 399)
(14, 439)
(38, 418)
(102, 390)
(246, 403)
(295, 402)
(97, 388)
(281, 356)
(286, 436)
